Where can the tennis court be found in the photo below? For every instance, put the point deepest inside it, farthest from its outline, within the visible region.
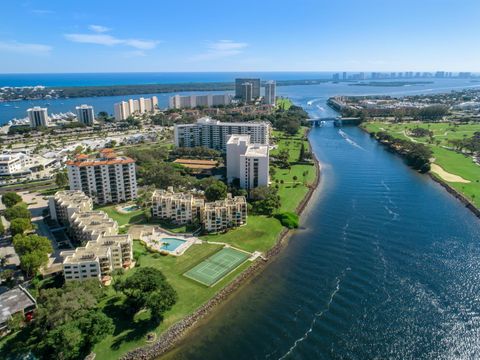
(212, 269)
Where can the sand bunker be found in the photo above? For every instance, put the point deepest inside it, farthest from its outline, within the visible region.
(446, 175)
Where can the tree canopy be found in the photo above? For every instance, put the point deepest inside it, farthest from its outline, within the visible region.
(148, 288)
(10, 199)
(18, 211)
(33, 251)
(216, 191)
(265, 200)
(20, 225)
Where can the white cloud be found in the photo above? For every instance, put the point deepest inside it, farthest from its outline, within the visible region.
(25, 48)
(220, 49)
(99, 39)
(109, 40)
(99, 28)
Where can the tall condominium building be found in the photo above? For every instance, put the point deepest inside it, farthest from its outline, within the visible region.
(213, 134)
(122, 110)
(247, 162)
(191, 101)
(38, 116)
(107, 178)
(65, 203)
(85, 114)
(239, 88)
(247, 92)
(270, 92)
(224, 214)
(180, 208)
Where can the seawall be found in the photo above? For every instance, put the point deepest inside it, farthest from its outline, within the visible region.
(172, 335)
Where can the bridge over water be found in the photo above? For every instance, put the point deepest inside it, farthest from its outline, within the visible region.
(338, 121)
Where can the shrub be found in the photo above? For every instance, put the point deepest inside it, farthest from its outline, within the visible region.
(288, 219)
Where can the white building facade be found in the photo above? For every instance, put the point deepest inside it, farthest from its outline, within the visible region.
(38, 116)
(85, 114)
(247, 162)
(270, 93)
(213, 134)
(107, 178)
(192, 101)
(122, 110)
(15, 163)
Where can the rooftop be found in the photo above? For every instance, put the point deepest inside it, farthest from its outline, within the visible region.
(13, 301)
(197, 164)
(257, 150)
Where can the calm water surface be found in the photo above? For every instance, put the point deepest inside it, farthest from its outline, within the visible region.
(387, 266)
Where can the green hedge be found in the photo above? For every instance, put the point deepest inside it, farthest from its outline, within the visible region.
(288, 219)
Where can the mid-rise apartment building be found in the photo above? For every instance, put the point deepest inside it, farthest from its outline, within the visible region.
(14, 163)
(65, 203)
(38, 116)
(123, 109)
(98, 258)
(221, 215)
(192, 101)
(184, 208)
(91, 225)
(85, 114)
(181, 208)
(107, 178)
(247, 162)
(213, 134)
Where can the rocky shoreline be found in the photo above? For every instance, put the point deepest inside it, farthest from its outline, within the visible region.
(468, 204)
(172, 335)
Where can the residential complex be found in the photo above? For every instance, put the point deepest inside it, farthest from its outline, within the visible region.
(180, 208)
(38, 116)
(192, 101)
(247, 162)
(213, 134)
(183, 208)
(107, 178)
(270, 92)
(15, 163)
(85, 114)
(240, 88)
(102, 250)
(64, 203)
(124, 109)
(98, 258)
(221, 215)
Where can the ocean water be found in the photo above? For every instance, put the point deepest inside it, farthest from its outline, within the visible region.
(17, 109)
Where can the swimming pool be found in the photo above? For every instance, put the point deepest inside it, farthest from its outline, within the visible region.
(171, 244)
(130, 208)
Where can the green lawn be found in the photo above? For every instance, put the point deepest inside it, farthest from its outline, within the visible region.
(130, 333)
(132, 217)
(260, 234)
(451, 161)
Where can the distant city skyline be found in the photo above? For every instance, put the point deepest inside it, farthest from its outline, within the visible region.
(304, 35)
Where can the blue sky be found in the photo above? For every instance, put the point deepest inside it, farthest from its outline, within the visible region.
(207, 35)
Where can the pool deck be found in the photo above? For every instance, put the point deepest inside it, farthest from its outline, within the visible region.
(154, 237)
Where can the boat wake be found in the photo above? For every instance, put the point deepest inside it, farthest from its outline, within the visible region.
(317, 315)
(350, 141)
